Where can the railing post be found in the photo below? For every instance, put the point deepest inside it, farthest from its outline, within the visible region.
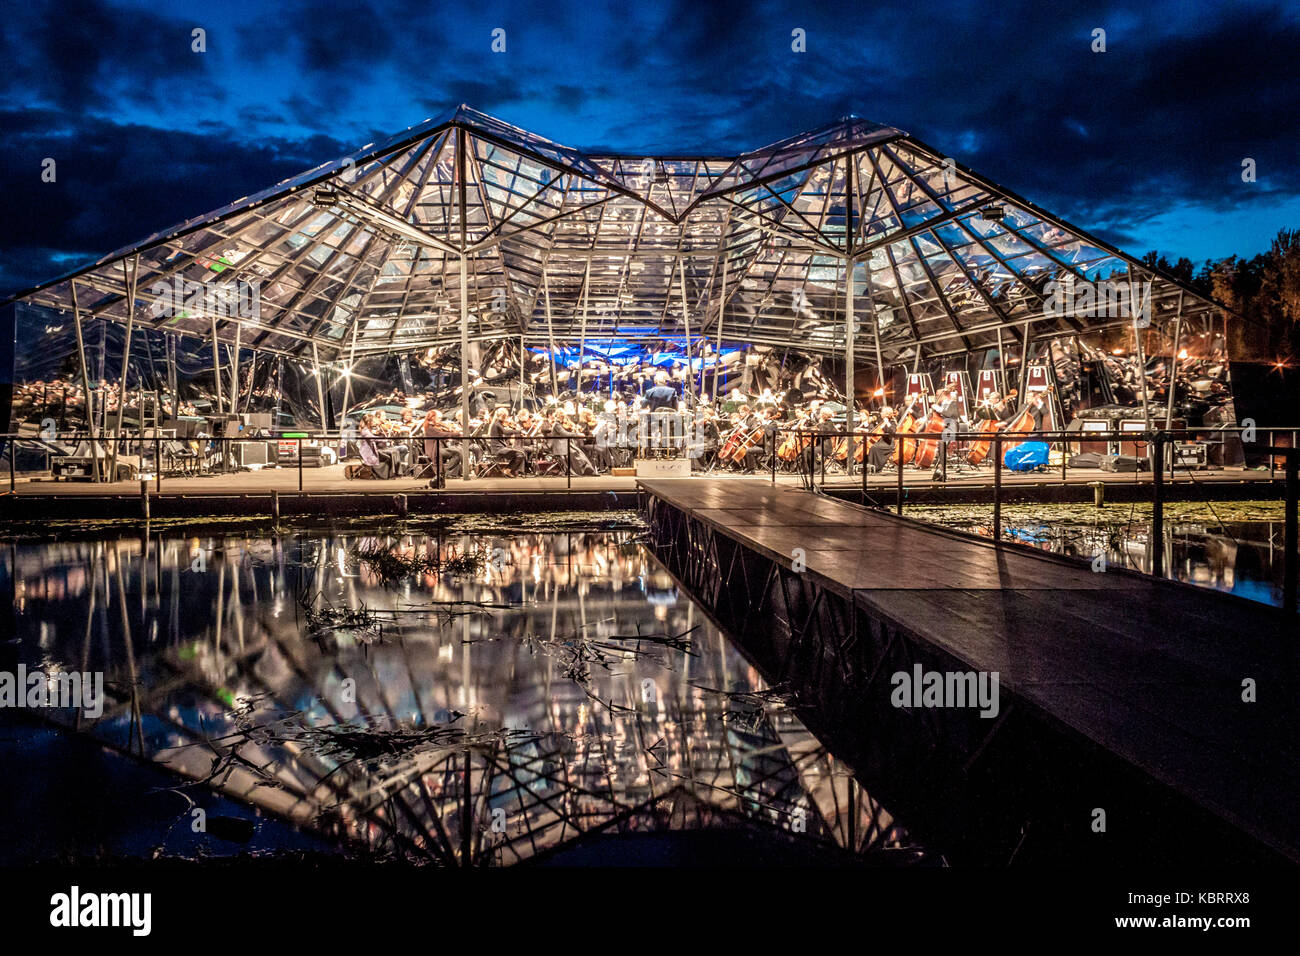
(1291, 539)
(997, 488)
(13, 451)
(568, 462)
(775, 445)
(1272, 461)
(898, 444)
(1158, 507)
(300, 464)
(865, 465)
(157, 462)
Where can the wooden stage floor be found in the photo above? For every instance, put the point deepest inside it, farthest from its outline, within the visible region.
(1149, 669)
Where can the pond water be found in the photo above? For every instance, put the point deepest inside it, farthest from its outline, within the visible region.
(462, 692)
(1229, 546)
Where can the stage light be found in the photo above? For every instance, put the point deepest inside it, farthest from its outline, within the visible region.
(1182, 354)
(878, 393)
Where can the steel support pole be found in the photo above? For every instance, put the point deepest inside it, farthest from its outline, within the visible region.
(320, 387)
(849, 391)
(91, 429)
(464, 307)
(234, 368)
(686, 321)
(126, 364)
(464, 365)
(550, 331)
(1002, 366)
(172, 383)
(1024, 364)
(722, 307)
(347, 377)
(1173, 384)
(216, 366)
(582, 333)
(1142, 373)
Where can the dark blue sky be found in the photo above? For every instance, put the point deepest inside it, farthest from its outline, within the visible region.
(1142, 144)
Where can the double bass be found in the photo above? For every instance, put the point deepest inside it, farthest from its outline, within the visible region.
(980, 448)
(927, 449)
(1022, 424)
(904, 449)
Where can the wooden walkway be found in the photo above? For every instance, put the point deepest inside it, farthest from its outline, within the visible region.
(1148, 669)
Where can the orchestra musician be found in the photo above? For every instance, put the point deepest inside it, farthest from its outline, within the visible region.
(662, 395)
(824, 423)
(708, 438)
(883, 449)
(1037, 406)
(383, 459)
(995, 408)
(949, 409)
(445, 452)
(756, 454)
(604, 432)
(559, 428)
(501, 434)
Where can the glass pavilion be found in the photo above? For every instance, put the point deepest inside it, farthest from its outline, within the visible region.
(467, 230)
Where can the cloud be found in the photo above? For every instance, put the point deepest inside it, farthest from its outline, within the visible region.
(116, 184)
(147, 133)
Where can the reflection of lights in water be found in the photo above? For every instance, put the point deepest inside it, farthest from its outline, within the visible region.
(341, 560)
(661, 612)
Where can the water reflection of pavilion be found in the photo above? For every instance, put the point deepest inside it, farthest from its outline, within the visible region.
(560, 689)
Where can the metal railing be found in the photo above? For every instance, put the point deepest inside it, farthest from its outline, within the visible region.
(1157, 447)
(148, 458)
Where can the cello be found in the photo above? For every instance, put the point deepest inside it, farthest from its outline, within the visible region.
(869, 440)
(739, 442)
(793, 444)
